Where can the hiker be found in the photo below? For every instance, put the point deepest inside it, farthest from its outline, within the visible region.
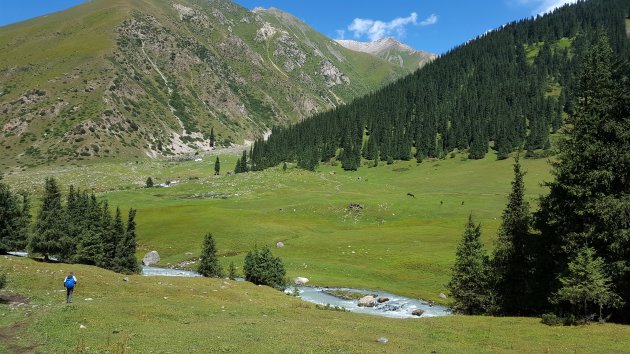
(69, 284)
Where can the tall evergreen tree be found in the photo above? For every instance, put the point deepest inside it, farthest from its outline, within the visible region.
(588, 202)
(126, 261)
(50, 236)
(208, 262)
(510, 262)
(113, 231)
(15, 218)
(217, 166)
(469, 284)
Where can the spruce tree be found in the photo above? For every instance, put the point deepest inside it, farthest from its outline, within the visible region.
(149, 183)
(232, 270)
(510, 264)
(15, 218)
(212, 137)
(50, 236)
(113, 232)
(469, 285)
(588, 202)
(208, 262)
(586, 286)
(217, 166)
(126, 248)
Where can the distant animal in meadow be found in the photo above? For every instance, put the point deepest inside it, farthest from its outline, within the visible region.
(411, 195)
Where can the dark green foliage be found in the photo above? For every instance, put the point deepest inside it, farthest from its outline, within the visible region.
(217, 166)
(3, 280)
(14, 220)
(510, 263)
(113, 232)
(469, 285)
(212, 137)
(589, 201)
(484, 91)
(126, 248)
(262, 268)
(586, 286)
(50, 236)
(208, 262)
(149, 182)
(241, 164)
(284, 166)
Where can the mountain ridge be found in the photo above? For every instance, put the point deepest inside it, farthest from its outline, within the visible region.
(392, 50)
(133, 78)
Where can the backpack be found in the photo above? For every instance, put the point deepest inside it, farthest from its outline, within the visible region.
(69, 283)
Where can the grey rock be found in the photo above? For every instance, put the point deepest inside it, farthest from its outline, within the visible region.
(382, 340)
(367, 301)
(301, 280)
(280, 244)
(151, 258)
(442, 296)
(381, 300)
(417, 312)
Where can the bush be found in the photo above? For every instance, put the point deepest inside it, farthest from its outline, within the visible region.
(262, 268)
(3, 280)
(551, 319)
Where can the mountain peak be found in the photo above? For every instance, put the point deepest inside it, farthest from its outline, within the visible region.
(392, 50)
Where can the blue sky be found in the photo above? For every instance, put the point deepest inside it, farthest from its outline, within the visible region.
(431, 25)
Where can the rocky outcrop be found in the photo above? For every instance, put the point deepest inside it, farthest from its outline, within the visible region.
(332, 74)
(418, 312)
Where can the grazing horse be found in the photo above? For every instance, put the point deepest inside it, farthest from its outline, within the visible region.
(411, 195)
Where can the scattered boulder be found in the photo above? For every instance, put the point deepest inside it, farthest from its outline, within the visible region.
(381, 300)
(367, 301)
(88, 299)
(417, 312)
(301, 280)
(82, 327)
(126, 279)
(382, 340)
(151, 258)
(280, 244)
(442, 296)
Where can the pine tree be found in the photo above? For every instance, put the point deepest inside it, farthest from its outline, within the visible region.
(586, 285)
(469, 284)
(149, 182)
(15, 218)
(126, 248)
(510, 263)
(217, 166)
(208, 262)
(237, 167)
(50, 236)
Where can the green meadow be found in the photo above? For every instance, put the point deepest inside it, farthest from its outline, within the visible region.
(391, 241)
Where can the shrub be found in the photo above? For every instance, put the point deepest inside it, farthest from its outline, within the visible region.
(3, 280)
(262, 268)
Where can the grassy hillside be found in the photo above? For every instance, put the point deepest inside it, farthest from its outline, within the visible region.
(137, 78)
(397, 243)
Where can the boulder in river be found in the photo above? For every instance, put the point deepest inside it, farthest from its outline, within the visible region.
(151, 258)
(301, 280)
(367, 301)
(417, 312)
(381, 300)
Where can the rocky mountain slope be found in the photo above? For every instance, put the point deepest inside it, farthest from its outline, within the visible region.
(393, 51)
(134, 78)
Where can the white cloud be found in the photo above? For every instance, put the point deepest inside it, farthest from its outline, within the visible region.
(375, 29)
(341, 34)
(431, 20)
(545, 6)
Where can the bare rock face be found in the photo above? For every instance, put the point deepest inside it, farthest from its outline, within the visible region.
(151, 258)
(332, 74)
(367, 301)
